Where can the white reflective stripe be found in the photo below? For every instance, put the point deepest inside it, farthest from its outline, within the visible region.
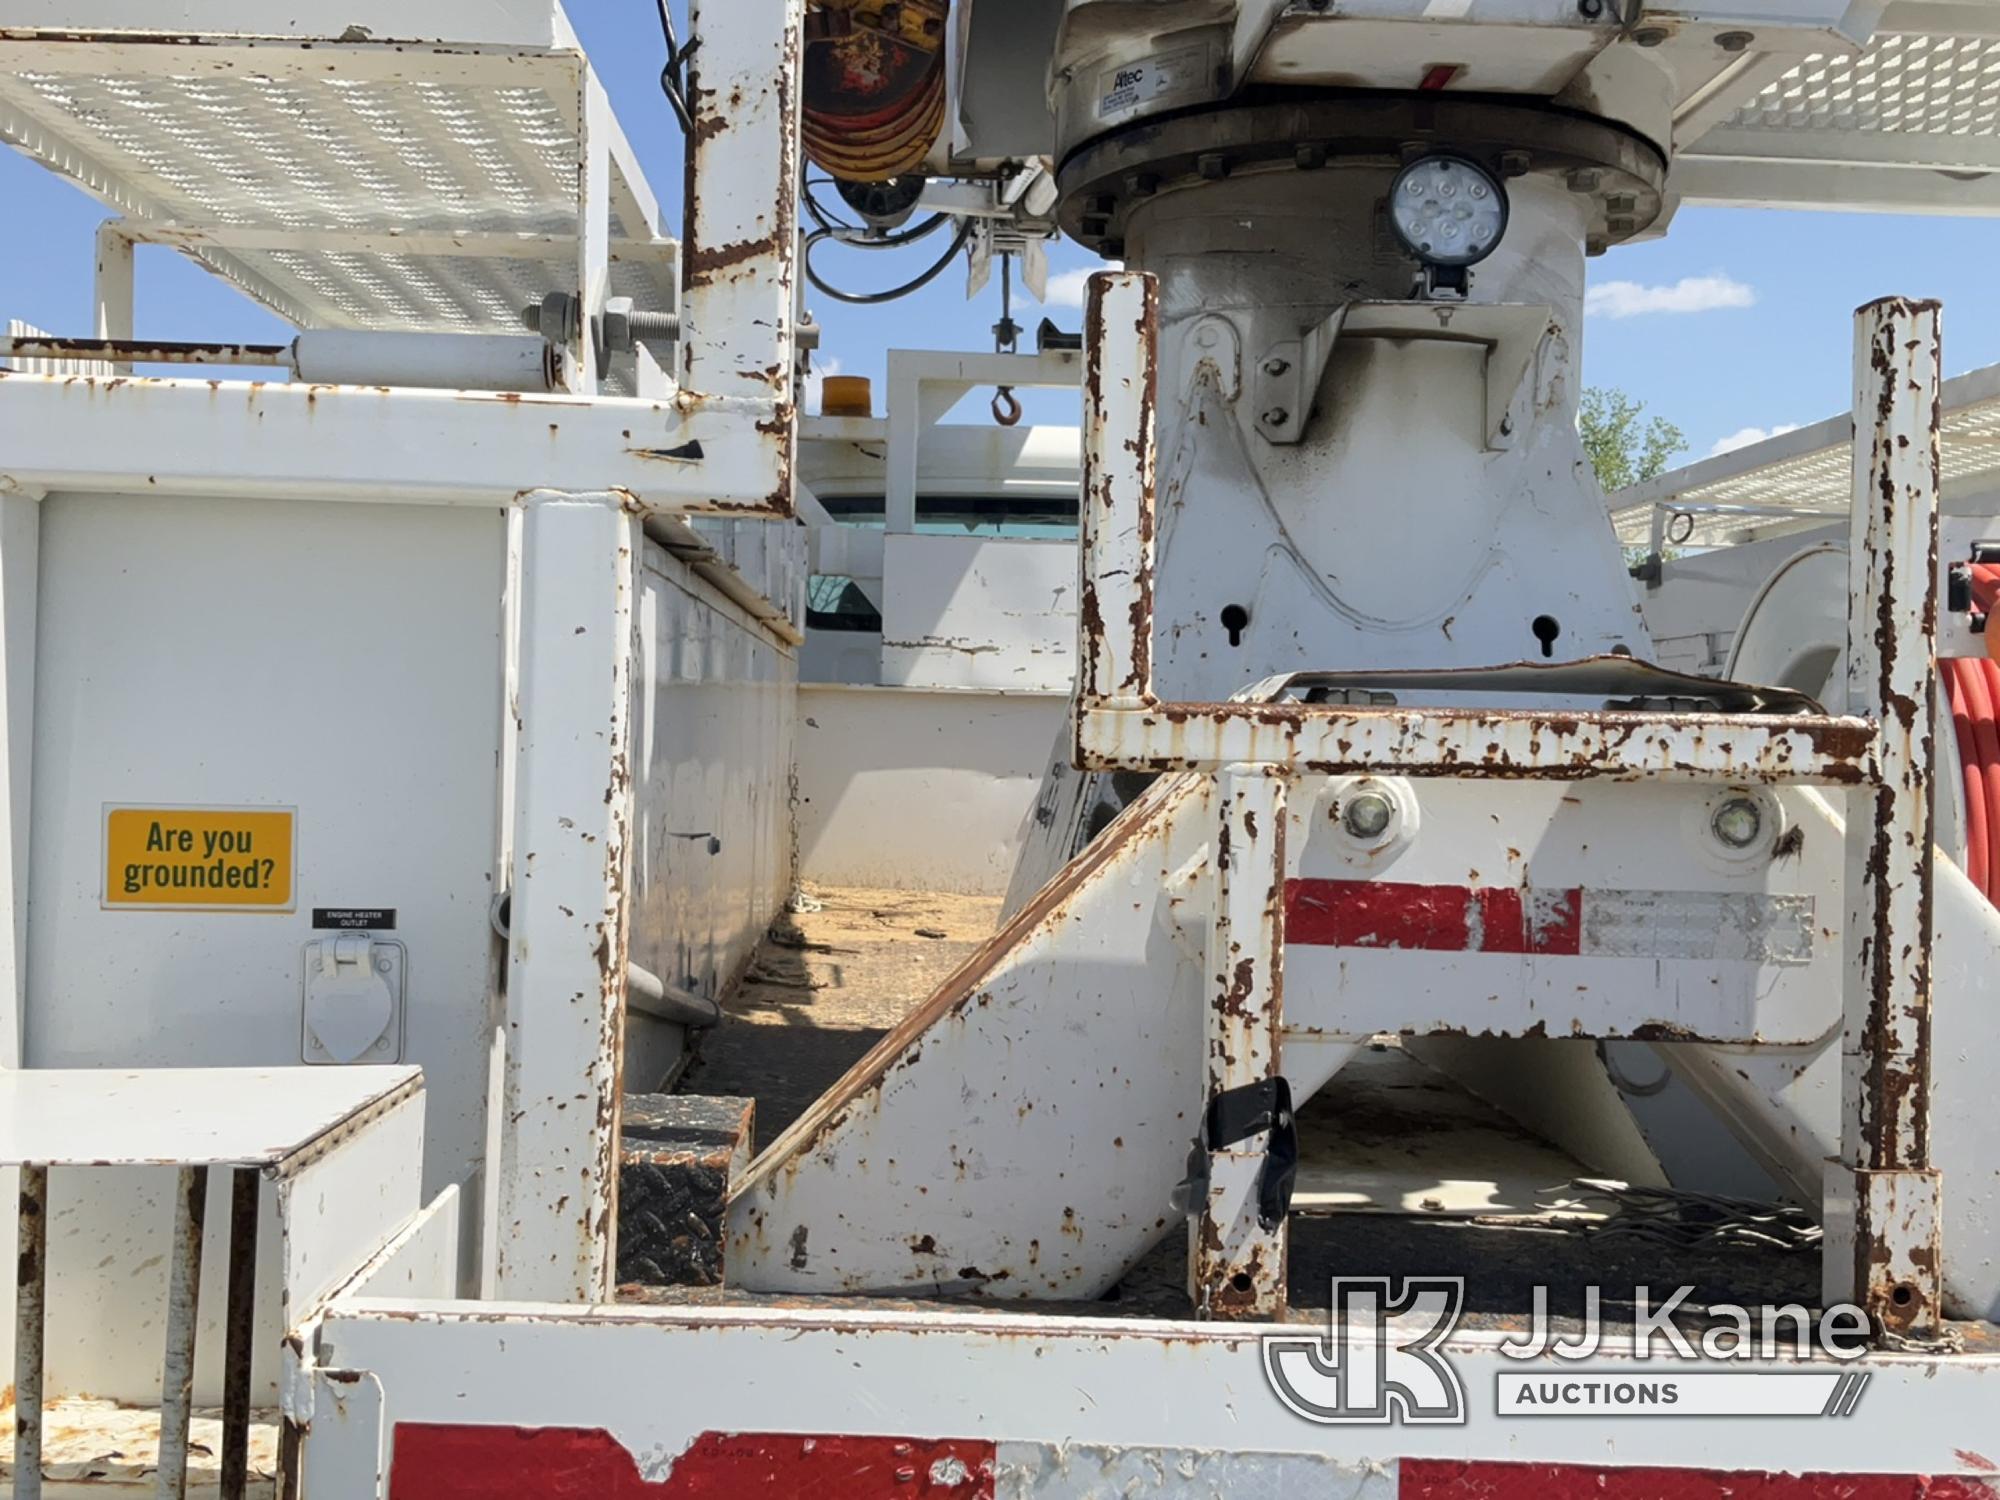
(1715, 925)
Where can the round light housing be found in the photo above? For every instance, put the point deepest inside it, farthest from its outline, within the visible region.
(1448, 211)
(1738, 822)
(1367, 815)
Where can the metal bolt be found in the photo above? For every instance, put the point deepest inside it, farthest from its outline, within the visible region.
(1277, 416)
(1651, 36)
(1515, 163)
(1738, 822)
(1590, 10)
(1367, 815)
(1276, 366)
(1583, 180)
(1735, 41)
(382, 965)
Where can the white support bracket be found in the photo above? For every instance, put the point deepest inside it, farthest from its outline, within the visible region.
(568, 926)
(1237, 1249)
(1897, 1269)
(925, 384)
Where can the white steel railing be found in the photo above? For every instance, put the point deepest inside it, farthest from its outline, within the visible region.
(1884, 1177)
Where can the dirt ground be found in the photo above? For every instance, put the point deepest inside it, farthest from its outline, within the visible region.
(826, 985)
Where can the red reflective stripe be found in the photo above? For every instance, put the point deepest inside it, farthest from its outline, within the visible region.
(1555, 922)
(1437, 918)
(452, 1461)
(1433, 1479)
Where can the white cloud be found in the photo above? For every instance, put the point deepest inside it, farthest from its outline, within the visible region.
(1065, 289)
(816, 382)
(1747, 436)
(1691, 294)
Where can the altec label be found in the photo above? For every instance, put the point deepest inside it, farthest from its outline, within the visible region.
(1170, 77)
(199, 858)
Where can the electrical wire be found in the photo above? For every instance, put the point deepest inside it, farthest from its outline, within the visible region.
(916, 283)
(869, 239)
(673, 77)
(818, 210)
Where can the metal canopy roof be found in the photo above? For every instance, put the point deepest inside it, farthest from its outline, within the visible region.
(1908, 123)
(340, 180)
(1801, 477)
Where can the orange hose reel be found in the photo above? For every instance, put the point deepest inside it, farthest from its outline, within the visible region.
(1973, 684)
(875, 90)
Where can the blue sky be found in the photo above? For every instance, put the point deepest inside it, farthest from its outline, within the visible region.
(1738, 320)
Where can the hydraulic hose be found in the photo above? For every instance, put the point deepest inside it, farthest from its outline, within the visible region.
(1973, 684)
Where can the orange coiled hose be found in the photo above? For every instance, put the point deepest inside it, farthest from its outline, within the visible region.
(1974, 688)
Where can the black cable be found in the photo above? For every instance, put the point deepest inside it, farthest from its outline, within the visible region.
(673, 77)
(872, 299)
(821, 217)
(870, 240)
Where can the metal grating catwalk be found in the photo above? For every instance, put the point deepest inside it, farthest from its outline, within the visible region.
(1810, 471)
(343, 183)
(1908, 122)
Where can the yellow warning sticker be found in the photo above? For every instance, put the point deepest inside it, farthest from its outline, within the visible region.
(199, 858)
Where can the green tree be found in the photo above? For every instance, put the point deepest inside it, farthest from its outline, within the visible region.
(1624, 447)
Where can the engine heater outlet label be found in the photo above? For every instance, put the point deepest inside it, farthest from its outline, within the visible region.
(199, 858)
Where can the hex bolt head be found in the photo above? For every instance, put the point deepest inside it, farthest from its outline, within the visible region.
(1736, 41)
(1515, 163)
(1583, 180)
(1367, 815)
(1277, 416)
(1738, 822)
(1276, 366)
